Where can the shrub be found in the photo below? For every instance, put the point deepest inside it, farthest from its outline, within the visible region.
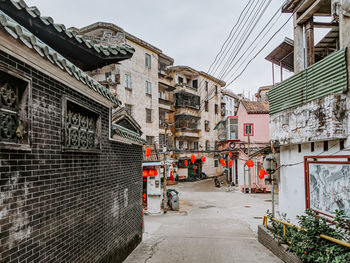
(308, 245)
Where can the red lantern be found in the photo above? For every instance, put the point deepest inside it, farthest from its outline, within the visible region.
(148, 152)
(262, 174)
(186, 163)
(193, 158)
(250, 163)
(222, 161)
(230, 163)
(230, 154)
(155, 172)
(145, 173)
(151, 173)
(203, 159)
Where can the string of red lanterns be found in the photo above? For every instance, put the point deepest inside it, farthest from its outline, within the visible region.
(262, 173)
(230, 163)
(193, 158)
(149, 172)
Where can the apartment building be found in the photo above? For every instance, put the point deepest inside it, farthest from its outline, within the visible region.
(135, 81)
(197, 104)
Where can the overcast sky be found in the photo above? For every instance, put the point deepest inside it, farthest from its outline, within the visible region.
(190, 31)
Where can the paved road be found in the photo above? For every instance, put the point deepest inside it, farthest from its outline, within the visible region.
(213, 225)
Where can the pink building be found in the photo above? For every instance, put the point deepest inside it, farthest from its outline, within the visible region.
(247, 134)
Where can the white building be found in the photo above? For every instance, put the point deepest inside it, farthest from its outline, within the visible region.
(135, 80)
(309, 112)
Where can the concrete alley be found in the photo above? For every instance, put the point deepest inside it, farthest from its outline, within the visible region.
(213, 225)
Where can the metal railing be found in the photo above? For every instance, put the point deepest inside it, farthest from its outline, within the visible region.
(285, 224)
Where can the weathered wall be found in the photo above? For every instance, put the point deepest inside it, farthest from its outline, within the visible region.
(67, 207)
(318, 120)
(136, 96)
(292, 174)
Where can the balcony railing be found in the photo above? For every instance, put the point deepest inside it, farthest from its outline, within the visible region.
(325, 77)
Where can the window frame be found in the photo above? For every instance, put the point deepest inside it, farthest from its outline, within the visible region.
(150, 111)
(206, 105)
(148, 86)
(150, 59)
(65, 100)
(28, 89)
(244, 129)
(128, 84)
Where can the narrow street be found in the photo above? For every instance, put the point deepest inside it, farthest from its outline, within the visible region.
(213, 225)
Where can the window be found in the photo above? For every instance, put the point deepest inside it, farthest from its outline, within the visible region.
(82, 127)
(216, 145)
(341, 144)
(195, 83)
(206, 106)
(14, 110)
(216, 163)
(299, 148)
(325, 146)
(127, 81)
(248, 129)
(312, 146)
(148, 60)
(207, 145)
(216, 109)
(216, 89)
(162, 119)
(163, 140)
(233, 128)
(181, 144)
(206, 86)
(148, 116)
(150, 139)
(180, 80)
(206, 126)
(148, 88)
(108, 75)
(128, 108)
(195, 146)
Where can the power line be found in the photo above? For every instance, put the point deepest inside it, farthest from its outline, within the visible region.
(248, 17)
(259, 52)
(266, 27)
(229, 37)
(256, 18)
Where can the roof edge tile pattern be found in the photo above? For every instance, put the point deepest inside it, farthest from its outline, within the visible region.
(127, 134)
(106, 50)
(18, 32)
(256, 107)
(114, 27)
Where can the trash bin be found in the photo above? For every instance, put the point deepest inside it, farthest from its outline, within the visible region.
(173, 199)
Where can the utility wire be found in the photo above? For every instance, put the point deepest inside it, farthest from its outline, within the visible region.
(240, 74)
(267, 27)
(247, 33)
(247, 17)
(229, 38)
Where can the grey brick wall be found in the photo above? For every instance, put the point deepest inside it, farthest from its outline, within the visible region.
(267, 239)
(67, 207)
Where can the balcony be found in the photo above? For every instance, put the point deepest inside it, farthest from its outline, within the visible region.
(187, 100)
(186, 86)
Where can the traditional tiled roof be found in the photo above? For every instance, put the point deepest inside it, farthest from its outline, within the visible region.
(252, 107)
(127, 134)
(31, 41)
(70, 44)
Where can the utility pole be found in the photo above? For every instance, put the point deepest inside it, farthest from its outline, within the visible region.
(165, 170)
(249, 177)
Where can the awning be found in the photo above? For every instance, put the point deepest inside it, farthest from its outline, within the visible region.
(151, 164)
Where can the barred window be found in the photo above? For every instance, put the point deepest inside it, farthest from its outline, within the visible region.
(14, 110)
(82, 127)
